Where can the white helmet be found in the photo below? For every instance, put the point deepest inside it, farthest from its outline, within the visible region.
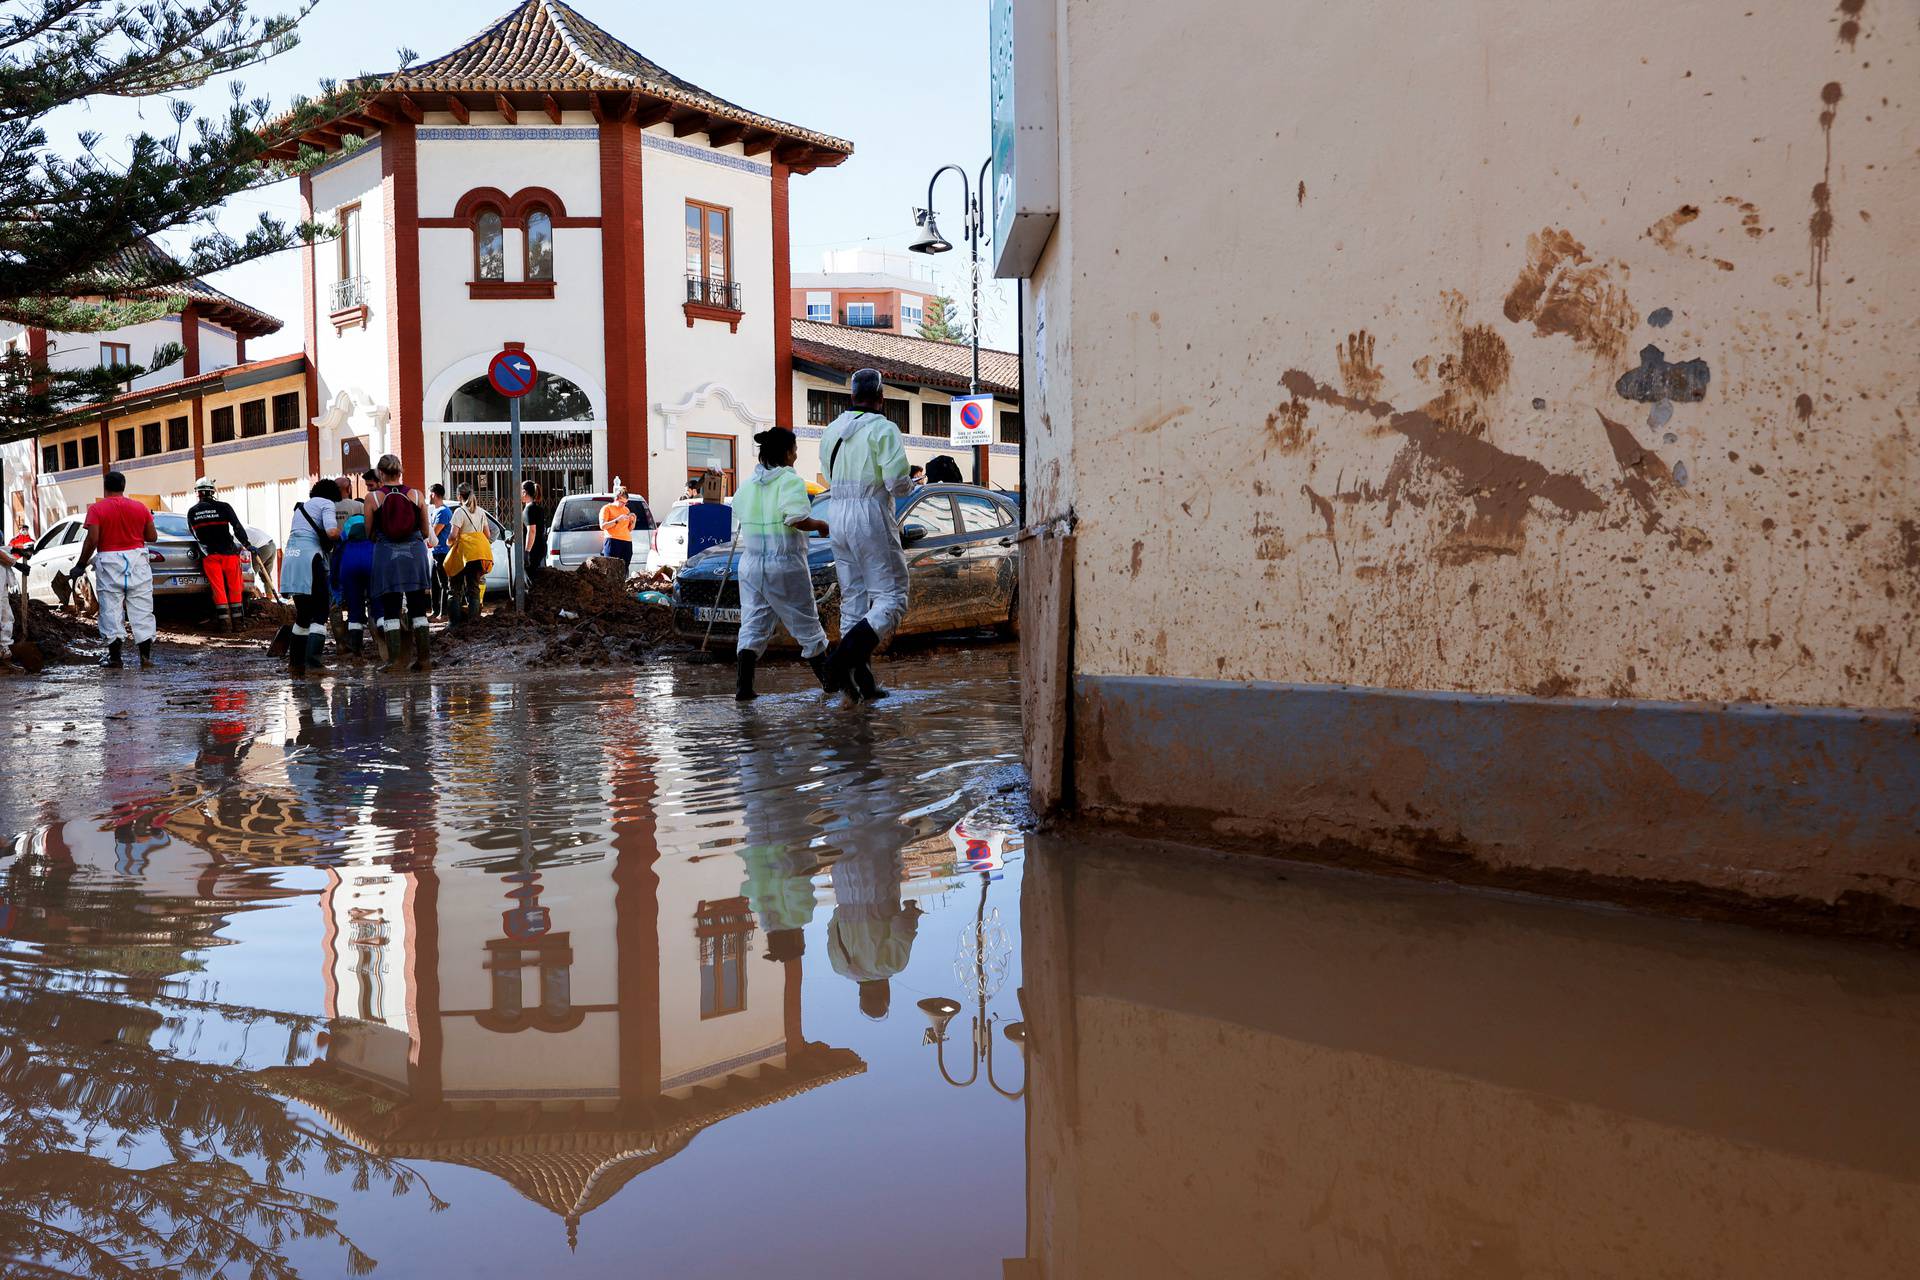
(203, 485)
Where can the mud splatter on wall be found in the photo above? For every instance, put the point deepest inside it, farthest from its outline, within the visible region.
(1563, 291)
(1820, 225)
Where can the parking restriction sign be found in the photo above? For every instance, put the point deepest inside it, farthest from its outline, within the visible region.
(973, 420)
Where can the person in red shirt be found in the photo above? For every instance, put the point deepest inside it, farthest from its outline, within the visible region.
(118, 531)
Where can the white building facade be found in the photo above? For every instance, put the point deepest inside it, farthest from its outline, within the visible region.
(544, 186)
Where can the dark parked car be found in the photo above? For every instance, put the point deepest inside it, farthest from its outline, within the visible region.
(961, 561)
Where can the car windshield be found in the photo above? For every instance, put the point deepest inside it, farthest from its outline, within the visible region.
(170, 525)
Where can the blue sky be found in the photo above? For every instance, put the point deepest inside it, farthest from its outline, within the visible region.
(906, 80)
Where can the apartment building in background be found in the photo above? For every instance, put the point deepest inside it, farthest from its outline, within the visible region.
(866, 289)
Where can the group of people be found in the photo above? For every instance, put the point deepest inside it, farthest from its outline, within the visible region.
(396, 558)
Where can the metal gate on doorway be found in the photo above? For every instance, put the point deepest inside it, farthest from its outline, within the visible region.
(558, 460)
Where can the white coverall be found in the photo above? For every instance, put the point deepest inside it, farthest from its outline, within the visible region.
(774, 579)
(123, 583)
(868, 473)
(6, 608)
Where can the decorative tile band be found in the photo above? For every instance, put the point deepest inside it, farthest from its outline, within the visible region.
(725, 160)
(926, 442)
(258, 442)
(491, 133)
(67, 477)
(157, 460)
(711, 1070)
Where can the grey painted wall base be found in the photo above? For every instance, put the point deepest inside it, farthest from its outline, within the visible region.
(1796, 812)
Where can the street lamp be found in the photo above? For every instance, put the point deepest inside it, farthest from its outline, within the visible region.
(927, 239)
(981, 966)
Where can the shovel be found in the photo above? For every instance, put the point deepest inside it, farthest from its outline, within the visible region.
(25, 653)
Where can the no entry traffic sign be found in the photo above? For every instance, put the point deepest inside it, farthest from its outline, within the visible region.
(512, 374)
(976, 420)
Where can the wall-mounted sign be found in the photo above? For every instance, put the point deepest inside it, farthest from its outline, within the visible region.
(1026, 155)
(972, 420)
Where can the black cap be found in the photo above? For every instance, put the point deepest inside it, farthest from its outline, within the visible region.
(865, 385)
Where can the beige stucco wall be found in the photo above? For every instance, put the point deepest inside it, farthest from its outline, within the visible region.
(1337, 306)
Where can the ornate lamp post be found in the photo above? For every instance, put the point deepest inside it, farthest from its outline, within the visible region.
(927, 239)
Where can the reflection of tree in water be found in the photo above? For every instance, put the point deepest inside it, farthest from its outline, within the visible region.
(125, 1160)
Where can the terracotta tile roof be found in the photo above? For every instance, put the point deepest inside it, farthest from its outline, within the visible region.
(899, 358)
(178, 389)
(139, 261)
(545, 46)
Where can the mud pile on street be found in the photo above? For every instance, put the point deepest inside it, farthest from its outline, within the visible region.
(61, 638)
(587, 618)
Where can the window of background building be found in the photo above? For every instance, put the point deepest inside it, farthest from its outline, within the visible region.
(911, 312)
(348, 246)
(70, 455)
(539, 245)
(824, 406)
(151, 441)
(89, 451)
(115, 355)
(253, 419)
(710, 453)
(49, 457)
(860, 314)
(123, 444)
(1013, 430)
(489, 246)
(820, 307)
(286, 411)
(709, 242)
(895, 411)
(936, 420)
(178, 436)
(220, 425)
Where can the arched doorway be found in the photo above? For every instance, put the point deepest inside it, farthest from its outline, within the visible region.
(556, 442)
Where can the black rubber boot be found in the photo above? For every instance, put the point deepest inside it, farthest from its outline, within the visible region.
(743, 664)
(855, 647)
(397, 660)
(146, 652)
(237, 614)
(819, 664)
(357, 641)
(422, 648)
(316, 647)
(869, 687)
(111, 658)
(297, 656)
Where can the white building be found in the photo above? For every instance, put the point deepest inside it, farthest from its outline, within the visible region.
(545, 185)
(866, 288)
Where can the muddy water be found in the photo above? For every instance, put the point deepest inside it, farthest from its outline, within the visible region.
(565, 975)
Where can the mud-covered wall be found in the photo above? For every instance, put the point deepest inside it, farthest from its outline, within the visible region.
(1489, 346)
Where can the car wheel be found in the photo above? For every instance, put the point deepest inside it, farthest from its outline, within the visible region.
(1010, 629)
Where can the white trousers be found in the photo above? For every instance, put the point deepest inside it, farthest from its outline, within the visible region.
(6, 608)
(869, 561)
(778, 586)
(123, 583)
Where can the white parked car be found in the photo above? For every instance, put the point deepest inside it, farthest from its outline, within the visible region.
(576, 537)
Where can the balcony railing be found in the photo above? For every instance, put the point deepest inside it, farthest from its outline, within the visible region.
(866, 320)
(348, 293)
(713, 293)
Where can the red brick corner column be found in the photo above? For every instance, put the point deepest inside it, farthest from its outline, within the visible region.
(400, 185)
(623, 289)
(782, 303)
(190, 339)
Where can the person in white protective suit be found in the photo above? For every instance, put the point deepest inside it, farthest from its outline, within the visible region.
(7, 564)
(866, 469)
(773, 517)
(118, 531)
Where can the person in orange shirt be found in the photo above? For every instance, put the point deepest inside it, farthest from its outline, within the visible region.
(616, 522)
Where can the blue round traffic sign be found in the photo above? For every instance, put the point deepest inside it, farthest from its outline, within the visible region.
(512, 373)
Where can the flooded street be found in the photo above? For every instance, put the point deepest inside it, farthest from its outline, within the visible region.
(604, 975)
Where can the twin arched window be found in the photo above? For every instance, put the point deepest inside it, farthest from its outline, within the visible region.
(490, 244)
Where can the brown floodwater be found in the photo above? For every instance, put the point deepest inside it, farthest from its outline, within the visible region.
(604, 975)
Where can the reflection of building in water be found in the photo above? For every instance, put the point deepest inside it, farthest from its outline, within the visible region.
(565, 1028)
(1236, 1075)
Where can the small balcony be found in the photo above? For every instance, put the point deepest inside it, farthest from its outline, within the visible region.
(709, 299)
(347, 293)
(866, 320)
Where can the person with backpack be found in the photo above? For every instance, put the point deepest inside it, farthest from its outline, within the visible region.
(402, 576)
(304, 578)
(216, 527)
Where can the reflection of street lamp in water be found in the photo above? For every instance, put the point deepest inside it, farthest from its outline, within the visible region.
(981, 966)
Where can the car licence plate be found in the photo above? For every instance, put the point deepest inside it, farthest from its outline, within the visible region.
(716, 615)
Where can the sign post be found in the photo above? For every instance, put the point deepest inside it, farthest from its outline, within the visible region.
(512, 374)
(973, 426)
